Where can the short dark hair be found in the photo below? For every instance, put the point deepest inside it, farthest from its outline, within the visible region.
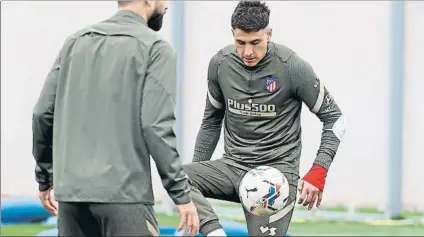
(250, 16)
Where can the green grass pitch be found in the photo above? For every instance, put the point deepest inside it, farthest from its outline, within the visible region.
(297, 228)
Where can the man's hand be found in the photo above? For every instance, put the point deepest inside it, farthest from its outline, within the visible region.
(189, 220)
(48, 202)
(312, 186)
(309, 194)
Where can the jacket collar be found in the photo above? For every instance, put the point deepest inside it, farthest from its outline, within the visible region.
(130, 15)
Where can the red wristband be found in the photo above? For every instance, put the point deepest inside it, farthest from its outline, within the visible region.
(316, 176)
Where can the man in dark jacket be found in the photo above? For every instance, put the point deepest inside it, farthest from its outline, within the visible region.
(106, 106)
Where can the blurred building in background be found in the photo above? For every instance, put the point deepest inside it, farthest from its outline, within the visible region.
(347, 43)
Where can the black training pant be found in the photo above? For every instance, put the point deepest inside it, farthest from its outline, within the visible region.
(104, 219)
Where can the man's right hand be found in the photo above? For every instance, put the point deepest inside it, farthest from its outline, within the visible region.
(48, 202)
(189, 220)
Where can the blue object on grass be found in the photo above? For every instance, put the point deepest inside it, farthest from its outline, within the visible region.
(51, 232)
(167, 231)
(19, 210)
(52, 221)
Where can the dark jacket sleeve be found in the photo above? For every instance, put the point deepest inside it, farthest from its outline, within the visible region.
(42, 129)
(308, 88)
(158, 121)
(210, 130)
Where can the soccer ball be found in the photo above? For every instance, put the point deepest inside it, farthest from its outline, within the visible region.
(264, 191)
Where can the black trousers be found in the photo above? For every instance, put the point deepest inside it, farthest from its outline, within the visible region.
(104, 219)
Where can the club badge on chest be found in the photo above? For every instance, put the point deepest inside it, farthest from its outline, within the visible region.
(271, 84)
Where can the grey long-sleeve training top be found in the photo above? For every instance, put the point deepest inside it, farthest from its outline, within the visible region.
(261, 107)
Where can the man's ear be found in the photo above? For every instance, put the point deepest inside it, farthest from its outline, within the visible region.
(232, 31)
(269, 34)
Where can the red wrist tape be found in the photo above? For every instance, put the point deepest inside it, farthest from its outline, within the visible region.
(316, 176)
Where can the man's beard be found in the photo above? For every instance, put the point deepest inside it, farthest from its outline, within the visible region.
(155, 22)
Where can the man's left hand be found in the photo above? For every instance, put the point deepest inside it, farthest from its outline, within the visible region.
(48, 202)
(309, 194)
(312, 186)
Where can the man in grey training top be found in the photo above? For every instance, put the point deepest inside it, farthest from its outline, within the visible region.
(257, 88)
(97, 121)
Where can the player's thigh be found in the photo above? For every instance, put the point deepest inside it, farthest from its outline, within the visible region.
(277, 224)
(126, 219)
(212, 178)
(75, 219)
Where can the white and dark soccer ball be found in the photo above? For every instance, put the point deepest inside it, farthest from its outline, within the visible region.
(264, 191)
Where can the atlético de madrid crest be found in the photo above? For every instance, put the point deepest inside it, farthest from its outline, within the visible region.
(271, 84)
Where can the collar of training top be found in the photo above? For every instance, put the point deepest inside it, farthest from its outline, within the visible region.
(130, 14)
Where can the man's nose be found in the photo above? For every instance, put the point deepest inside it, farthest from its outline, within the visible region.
(248, 50)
